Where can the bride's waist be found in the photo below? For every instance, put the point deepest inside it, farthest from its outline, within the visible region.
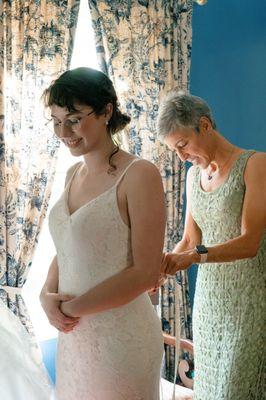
(137, 312)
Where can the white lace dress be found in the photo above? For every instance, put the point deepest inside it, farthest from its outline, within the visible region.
(115, 354)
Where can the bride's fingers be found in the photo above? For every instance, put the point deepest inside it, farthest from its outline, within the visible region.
(62, 297)
(68, 325)
(63, 328)
(63, 318)
(67, 330)
(58, 322)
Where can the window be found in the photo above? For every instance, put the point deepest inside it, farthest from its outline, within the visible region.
(84, 54)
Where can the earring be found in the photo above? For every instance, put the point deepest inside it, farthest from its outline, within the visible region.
(106, 122)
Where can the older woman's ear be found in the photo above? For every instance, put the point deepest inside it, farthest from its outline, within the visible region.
(205, 125)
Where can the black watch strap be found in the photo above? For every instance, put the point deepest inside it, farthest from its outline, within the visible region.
(203, 252)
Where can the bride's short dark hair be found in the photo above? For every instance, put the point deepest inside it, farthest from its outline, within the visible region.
(86, 86)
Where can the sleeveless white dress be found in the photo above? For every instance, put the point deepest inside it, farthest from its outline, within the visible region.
(22, 373)
(115, 354)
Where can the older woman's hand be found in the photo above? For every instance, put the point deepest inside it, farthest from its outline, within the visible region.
(161, 281)
(173, 262)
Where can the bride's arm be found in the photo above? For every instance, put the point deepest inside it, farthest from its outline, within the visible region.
(49, 297)
(51, 301)
(146, 209)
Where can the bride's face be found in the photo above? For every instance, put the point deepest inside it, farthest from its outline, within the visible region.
(81, 130)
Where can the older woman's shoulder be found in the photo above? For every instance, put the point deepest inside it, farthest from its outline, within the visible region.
(256, 166)
(258, 158)
(192, 171)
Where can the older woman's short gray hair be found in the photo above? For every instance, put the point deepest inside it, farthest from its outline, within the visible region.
(181, 110)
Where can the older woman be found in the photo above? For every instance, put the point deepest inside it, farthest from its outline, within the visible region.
(225, 232)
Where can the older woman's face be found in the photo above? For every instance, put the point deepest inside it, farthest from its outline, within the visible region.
(190, 146)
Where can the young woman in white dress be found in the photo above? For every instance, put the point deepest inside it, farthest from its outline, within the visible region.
(109, 250)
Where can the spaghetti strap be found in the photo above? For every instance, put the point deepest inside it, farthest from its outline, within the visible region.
(125, 171)
(78, 165)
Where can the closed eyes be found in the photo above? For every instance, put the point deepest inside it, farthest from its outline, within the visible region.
(68, 122)
(181, 146)
(72, 123)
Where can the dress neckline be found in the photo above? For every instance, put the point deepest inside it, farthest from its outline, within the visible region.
(91, 201)
(214, 191)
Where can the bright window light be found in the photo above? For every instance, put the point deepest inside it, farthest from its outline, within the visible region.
(84, 51)
(84, 55)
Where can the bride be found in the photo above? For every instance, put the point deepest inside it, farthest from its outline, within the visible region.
(22, 374)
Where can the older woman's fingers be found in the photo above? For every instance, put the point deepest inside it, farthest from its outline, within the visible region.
(162, 280)
(165, 280)
(165, 262)
(172, 268)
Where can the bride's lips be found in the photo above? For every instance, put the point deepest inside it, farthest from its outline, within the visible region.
(71, 143)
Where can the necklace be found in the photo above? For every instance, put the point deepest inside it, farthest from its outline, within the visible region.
(215, 167)
(213, 164)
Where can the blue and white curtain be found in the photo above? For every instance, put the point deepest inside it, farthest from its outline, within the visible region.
(36, 39)
(144, 46)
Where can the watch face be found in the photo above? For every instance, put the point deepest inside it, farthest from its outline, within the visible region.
(201, 249)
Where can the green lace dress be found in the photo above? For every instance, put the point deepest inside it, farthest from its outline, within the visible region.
(229, 308)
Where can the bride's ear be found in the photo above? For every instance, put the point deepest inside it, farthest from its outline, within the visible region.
(108, 111)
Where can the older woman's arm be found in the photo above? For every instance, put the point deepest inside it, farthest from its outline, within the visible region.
(192, 233)
(191, 237)
(253, 224)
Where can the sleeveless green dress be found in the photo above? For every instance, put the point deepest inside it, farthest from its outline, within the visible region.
(229, 322)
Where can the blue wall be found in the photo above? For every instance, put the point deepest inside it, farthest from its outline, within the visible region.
(228, 70)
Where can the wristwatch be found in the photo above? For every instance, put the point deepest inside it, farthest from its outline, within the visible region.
(203, 252)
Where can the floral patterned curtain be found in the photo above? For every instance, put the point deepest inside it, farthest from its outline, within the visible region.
(144, 46)
(36, 39)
